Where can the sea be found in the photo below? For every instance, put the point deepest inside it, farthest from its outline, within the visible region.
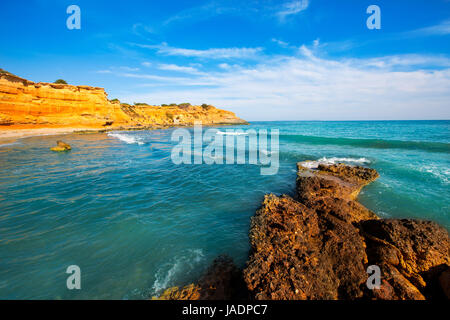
(136, 223)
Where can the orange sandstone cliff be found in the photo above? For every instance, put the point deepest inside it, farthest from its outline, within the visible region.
(26, 104)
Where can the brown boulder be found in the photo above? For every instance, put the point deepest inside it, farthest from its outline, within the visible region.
(411, 253)
(61, 146)
(297, 254)
(320, 245)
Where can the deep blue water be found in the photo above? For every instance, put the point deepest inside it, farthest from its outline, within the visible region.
(135, 223)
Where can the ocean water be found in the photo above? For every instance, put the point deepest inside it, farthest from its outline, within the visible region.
(136, 223)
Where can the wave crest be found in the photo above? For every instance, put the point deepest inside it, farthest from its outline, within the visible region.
(127, 138)
(334, 160)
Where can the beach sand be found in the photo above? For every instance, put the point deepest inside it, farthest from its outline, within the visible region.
(11, 134)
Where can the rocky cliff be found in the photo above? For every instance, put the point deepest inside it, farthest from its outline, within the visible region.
(28, 104)
(319, 245)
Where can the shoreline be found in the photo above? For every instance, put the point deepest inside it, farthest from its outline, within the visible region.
(11, 135)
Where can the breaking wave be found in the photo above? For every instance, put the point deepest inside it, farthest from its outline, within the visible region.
(127, 138)
(334, 160)
(168, 274)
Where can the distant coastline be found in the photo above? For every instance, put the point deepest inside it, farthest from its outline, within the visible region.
(29, 109)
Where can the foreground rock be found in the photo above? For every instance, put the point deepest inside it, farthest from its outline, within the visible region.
(319, 245)
(61, 146)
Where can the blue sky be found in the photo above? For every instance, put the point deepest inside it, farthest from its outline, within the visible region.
(264, 60)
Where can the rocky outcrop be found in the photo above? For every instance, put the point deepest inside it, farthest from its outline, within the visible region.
(319, 245)
(26, 104)
(61, 146)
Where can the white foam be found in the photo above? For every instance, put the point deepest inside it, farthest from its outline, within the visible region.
(231, 133)
(166, 276)
(127, 138)
(268, 152)
(441, 173)
(333, 160)
(10, 144)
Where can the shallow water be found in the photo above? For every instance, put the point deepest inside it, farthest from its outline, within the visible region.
(136, 223)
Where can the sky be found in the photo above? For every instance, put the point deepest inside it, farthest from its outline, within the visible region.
(263, 60)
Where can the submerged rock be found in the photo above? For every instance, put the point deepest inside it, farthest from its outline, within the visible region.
(61, 146)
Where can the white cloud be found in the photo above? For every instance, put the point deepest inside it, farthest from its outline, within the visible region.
(310, 87)
(316, 42)
(292, 8)
(442, 28)
(280, 42)
(184, 69)
(104, 71)
(212, 53)
(146, 64)
(129, 68)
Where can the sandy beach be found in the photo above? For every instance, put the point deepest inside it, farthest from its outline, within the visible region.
(12, 134)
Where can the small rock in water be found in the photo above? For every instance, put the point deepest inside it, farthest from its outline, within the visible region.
(61, 146)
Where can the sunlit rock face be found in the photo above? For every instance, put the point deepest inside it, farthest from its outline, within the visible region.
(29, 104)
(319, 244)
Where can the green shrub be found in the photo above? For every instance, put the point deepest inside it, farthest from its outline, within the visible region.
(184, 105)
(207, 106)
(60, 81)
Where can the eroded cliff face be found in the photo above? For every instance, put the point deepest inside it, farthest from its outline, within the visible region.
(319, 244)
(28, 104)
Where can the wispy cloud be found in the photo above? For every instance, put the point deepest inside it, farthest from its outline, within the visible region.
(442, 28)
(208, 10)
(292, 8)
(212, 53)
(103, 71)
(281, 43)
(310, 87)
(177, 68)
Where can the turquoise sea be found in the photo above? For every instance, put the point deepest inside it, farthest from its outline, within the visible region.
(135, 223)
